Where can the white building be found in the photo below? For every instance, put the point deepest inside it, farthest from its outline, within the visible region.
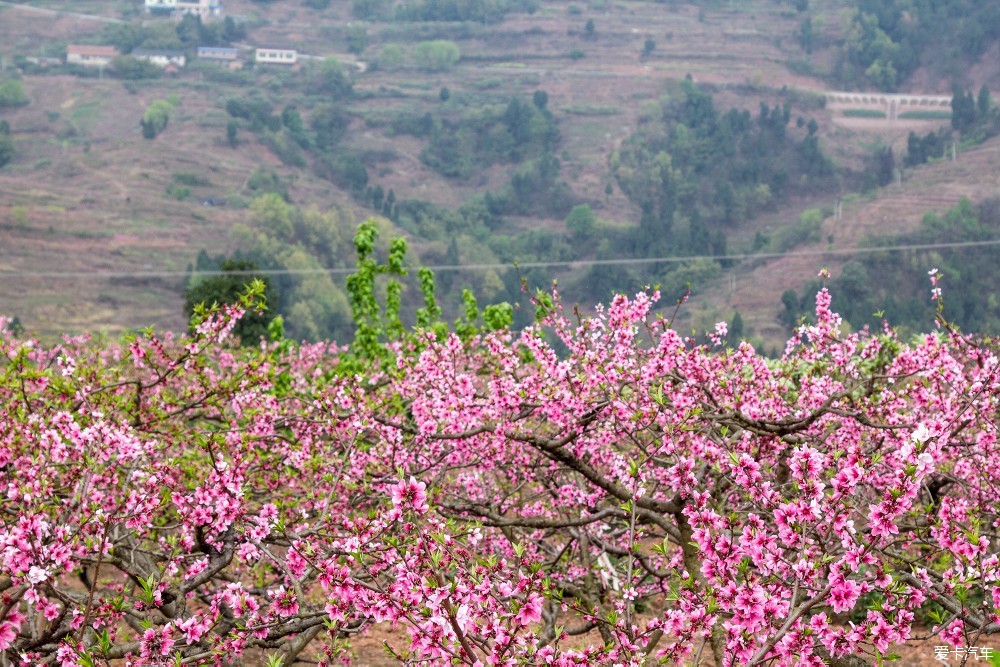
(276, 55)
(202, 8)
(161, 57)
(90, 55)
(226, 53)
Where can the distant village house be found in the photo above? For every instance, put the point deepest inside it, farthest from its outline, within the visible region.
(203, 8)
(161, 58)
(225, 53)
(44, 61)
(90, 55)
(276, 55)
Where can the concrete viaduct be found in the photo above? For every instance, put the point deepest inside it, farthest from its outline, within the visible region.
(893, 104)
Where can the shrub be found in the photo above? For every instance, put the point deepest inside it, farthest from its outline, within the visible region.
(12, 94)
(155, 119)
(436, 55)
(864, 113)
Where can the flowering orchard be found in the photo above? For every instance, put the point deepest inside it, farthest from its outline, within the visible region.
(632, 498)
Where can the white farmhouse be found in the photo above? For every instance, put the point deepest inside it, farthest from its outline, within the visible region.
(160, 57)
(90, 55)
(203, 8)
(274, 55)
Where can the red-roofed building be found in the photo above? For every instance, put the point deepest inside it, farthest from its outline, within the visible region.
(90, 55)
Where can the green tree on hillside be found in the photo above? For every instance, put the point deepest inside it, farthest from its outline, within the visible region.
(581, 221)
(125, 36)
(370, 9)
(279, 235)
(357, 37)
(693, 171)
(485, 135)
(984, 102)
(133, 69)
(481, 11)
(12, 94)
(436, 55)
(806, 38)
(226, 289)
(329, 79)
(292, 119)
(887, 40)
(963, 109)
(921, 149)
(6, 144)
(329, 123)
(190, 30)
(155, 119)
(232, 31)
(736, 328)
(265, 182)
(391, 57)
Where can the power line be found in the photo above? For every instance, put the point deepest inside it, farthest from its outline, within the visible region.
(568, 264)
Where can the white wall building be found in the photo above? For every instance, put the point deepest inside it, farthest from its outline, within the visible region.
(202, 8)
(90, 55)
(160, 57)
(276, 55)
(226, 53)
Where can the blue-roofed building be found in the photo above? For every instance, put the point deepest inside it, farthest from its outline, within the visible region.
(225, 53)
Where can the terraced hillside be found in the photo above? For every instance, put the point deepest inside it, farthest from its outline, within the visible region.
(88, 197)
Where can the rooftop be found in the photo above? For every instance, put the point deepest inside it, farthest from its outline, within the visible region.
(157, 52)
(92, 50)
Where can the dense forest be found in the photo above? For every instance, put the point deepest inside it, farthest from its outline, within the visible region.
(888, 40)
(693, 170)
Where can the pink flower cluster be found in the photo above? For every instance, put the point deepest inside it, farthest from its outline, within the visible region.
(496, 501)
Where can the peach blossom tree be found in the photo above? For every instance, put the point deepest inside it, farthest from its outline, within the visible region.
(588, 491)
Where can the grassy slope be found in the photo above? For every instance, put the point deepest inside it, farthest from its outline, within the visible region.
(86, 192)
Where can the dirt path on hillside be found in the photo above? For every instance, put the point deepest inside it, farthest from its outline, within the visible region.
(59, 12)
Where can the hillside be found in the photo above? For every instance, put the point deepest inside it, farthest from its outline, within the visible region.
(751, 287)
(121, 219)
